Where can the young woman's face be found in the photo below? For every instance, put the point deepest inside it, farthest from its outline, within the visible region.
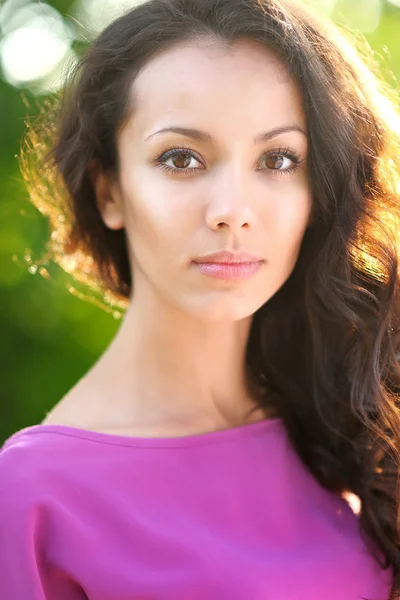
(230, 182)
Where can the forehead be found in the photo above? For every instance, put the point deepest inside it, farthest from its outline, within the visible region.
(208, 81)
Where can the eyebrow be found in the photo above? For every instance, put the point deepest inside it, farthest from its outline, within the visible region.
(203, 136)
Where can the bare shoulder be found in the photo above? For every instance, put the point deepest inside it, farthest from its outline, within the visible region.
(76, 409)
(84, 409)
(63, 413)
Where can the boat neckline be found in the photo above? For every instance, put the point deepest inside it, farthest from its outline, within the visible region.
(208, 437)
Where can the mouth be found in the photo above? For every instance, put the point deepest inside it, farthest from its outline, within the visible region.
(226, 257)
(230, 270)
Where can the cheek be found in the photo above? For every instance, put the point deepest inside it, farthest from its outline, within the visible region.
(156, 221)
(289, 213)
(289, 207)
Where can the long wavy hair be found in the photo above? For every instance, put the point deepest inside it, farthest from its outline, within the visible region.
(324, 348)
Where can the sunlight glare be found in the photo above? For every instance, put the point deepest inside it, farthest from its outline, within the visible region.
(38, 43)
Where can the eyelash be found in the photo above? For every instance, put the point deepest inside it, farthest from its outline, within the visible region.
(283, 151)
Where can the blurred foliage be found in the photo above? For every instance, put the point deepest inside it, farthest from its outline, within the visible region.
(50, 337)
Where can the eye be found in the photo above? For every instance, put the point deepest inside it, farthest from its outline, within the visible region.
(183, 161)
(279, 161)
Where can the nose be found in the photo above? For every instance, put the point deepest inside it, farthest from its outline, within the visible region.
(229, 204)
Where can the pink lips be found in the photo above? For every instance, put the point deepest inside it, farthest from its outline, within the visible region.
(229, 265)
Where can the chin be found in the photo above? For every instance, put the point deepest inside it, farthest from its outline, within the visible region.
(224, 310)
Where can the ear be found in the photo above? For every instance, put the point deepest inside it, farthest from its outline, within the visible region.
(108, 196)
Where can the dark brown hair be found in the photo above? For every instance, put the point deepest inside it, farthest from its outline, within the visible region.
(324, 346)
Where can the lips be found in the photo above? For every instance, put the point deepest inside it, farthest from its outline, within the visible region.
(226, 257)
(229, 271)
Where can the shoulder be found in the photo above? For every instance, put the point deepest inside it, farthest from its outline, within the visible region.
(46, 480)
(36, 460)
(26, 463)
(36, 515)
(24, 489)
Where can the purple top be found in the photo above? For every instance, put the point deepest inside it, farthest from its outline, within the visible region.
(224, 515)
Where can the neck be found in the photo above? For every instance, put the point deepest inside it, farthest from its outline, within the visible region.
(166, 366)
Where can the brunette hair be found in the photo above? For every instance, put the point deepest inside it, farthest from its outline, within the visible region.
(324, 346)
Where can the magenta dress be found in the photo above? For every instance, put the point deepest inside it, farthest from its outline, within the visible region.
(225, 515)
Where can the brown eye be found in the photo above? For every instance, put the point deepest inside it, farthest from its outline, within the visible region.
(281, 161)
(181, 160)
(275, 161)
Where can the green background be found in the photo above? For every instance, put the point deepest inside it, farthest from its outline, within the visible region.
(49, 337)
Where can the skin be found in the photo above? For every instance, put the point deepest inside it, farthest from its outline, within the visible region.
(176, 365)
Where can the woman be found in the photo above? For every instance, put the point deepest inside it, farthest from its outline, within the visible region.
(230, 169)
